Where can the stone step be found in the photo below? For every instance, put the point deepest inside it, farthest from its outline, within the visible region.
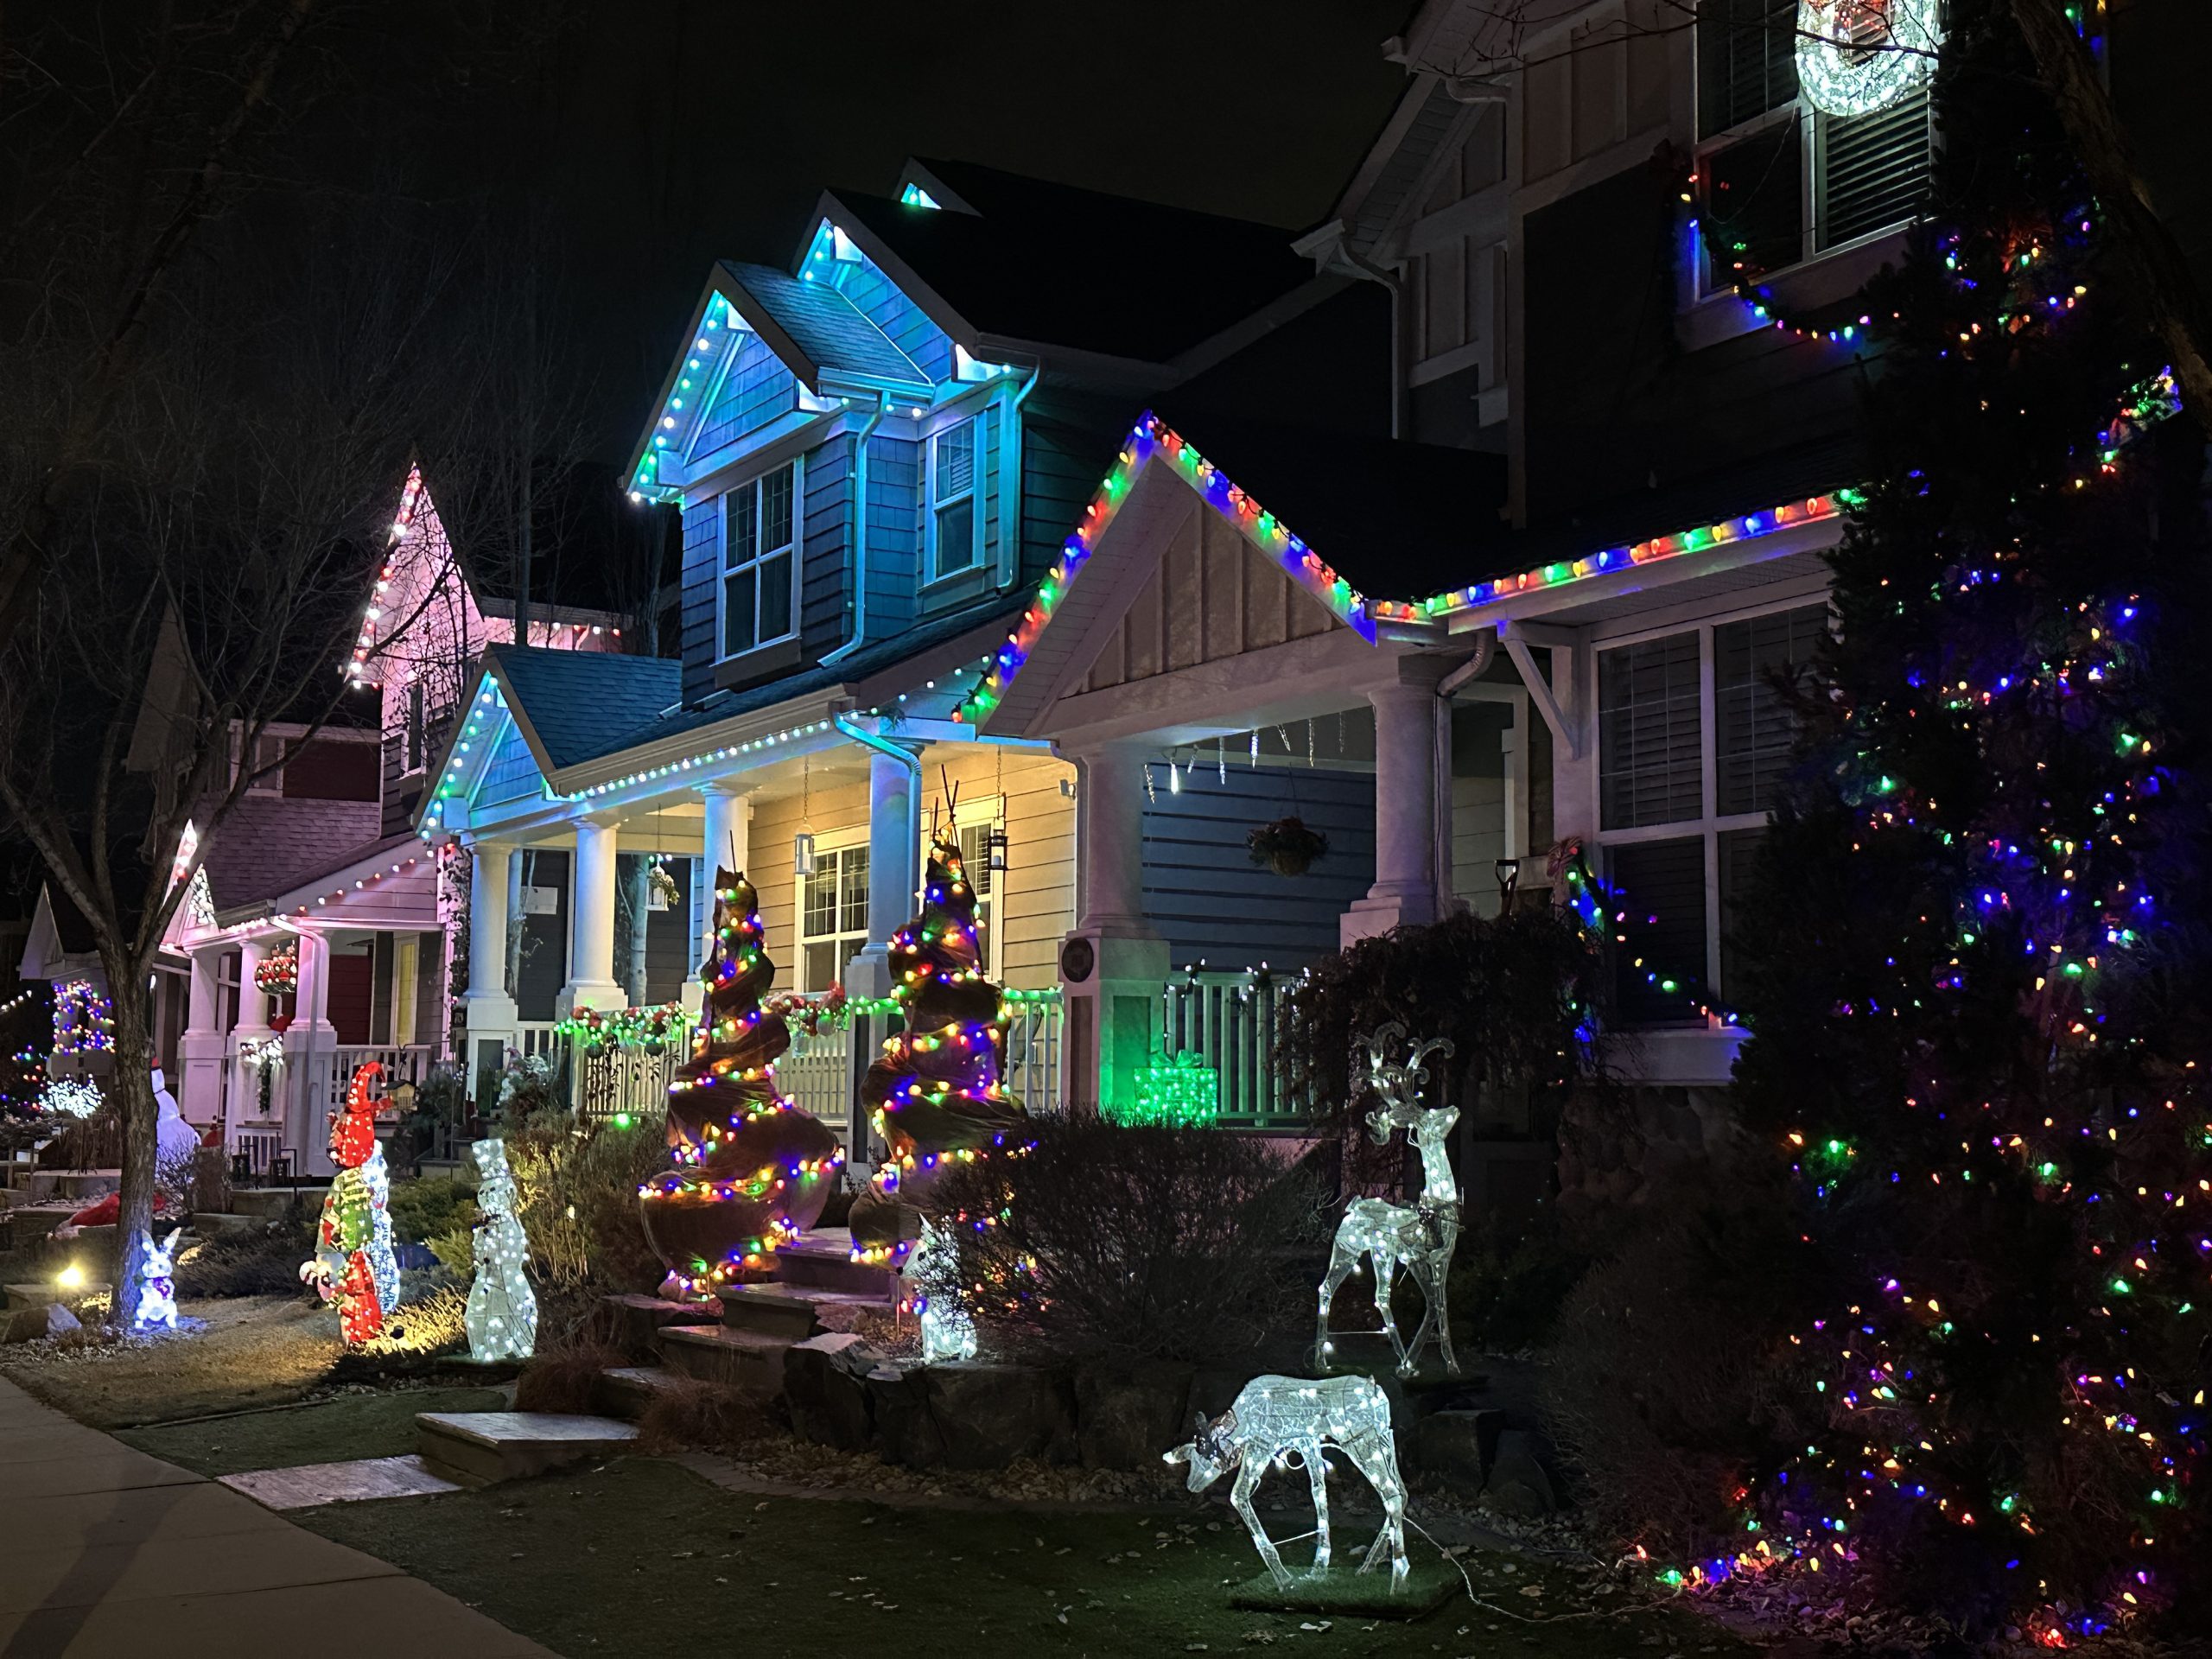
(34, 1222)
(625, 1391)
(795, 1312)
(823, 1260)
(715, 1353)
(274, 1202)
(79, 1187)
(475, 1448)
(633, 1323)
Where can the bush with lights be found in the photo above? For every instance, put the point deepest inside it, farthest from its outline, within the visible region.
(751, 1169)
(935, 1090)
(1978, 969)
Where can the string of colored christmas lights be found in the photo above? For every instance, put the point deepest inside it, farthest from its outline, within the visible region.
(651, 1029)
(84, 1019)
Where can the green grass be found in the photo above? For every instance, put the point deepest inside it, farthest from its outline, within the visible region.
(329, 1431)
(644, 1558)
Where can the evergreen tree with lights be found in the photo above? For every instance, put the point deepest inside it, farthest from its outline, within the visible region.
(1977, 964)
(935, 1090)
(751, 1169)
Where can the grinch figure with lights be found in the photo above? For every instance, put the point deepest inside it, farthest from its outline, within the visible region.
(751, 1169)
(1976, 967)
(935, 1090)
(353, 1264)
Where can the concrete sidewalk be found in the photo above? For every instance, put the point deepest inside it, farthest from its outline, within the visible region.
(106, 1553)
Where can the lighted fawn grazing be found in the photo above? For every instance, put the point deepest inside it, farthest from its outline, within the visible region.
(1419, 1236)
(1276, 1417)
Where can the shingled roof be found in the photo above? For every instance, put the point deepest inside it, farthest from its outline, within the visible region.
(267, 845)
(571, 703)
(826, 329)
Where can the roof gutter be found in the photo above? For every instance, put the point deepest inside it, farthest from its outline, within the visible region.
(859, 532)
(867, 740)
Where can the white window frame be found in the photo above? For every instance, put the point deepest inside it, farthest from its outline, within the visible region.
(934, 506)
(829, 850)
(1711, 823)
(724, 572)
(1703, 284)
(985, 813)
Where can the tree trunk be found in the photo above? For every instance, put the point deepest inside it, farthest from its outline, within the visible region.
(131, 1089)
(2165, 291)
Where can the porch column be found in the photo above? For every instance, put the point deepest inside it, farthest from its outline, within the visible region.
(725, 844)
(591, 922)
(488, 1007)
(308, 1059)
(199, 1047)
(252, 1027)
(1114, 964)
(1409, 720)
(895, 845)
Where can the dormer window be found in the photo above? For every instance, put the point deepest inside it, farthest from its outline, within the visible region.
(953, 522)
(759, 544)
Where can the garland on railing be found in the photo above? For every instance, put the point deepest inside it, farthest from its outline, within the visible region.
(656, 1030)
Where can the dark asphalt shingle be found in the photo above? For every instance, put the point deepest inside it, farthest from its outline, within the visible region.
(825, 326)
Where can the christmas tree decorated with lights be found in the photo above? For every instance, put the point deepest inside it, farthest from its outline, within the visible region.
(751, 1169)
(1978, 967)
(935, 1090)
(353, 1264)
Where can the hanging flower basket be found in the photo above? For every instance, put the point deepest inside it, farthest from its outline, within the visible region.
(279, 975)
(662, 885)
(1287, 846)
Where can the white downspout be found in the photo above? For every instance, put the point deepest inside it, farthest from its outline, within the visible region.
(1010, 525)
(860, 532)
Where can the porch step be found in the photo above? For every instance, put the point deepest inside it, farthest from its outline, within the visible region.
(823, 1260)
(475, 1448)
(794, 1312)
(633, 1323)
(715, 1353)
(33, 1222)
(77, 1186)
(627, 1391)
(275, 1202)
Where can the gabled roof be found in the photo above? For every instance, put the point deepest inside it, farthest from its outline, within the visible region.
(814, 328)
(1053, 264)
(570, 703)
(303, 885)
(267, 845)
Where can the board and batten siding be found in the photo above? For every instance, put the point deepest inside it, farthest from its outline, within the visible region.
(1033, 897)
(1206, 897)
(1210, 597)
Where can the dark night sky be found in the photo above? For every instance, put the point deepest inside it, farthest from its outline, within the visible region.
(700, 129)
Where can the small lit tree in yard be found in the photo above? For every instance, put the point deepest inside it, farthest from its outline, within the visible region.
(1978, 977)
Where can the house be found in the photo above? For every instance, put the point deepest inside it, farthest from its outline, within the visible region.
(313, 936)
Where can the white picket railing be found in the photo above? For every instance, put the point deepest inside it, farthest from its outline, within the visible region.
(817, 1072)
(1232, 1021)
(1034, 1024)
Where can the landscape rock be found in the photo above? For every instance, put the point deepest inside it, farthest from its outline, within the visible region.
(826, 1389)
(989, 1415)
(34, 1323)
(1456, 1447)
(1519, 1485)
(1125, 1418)
(899, 1406)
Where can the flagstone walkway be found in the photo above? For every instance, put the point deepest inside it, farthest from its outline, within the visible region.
(106, 1553)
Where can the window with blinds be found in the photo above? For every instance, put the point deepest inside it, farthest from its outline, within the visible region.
(1649, 730)
(1746, 61)
(1661, 887)
(1874, 171)
(1753, 731)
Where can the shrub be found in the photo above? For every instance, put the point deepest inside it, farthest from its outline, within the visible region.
(265, 1263)
(691, 1415)
(1120, 1243)
(564, 1379)
(1510, 1285)
(578, 1185)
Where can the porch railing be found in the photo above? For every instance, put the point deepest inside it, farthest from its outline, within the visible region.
(618, 1082)
(817, 1072)
(1034, 1022)
(1232, 1019)
(411, 1063)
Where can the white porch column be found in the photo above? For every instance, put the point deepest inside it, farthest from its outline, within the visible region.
(1113, 965)
(894, 847)
(725, 844)
(199, 1047)
(591, 922)
(252, 1027)
(1408, 720)
(309, 1042)
(489, 1006)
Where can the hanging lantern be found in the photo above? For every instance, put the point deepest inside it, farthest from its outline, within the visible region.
(803, 853)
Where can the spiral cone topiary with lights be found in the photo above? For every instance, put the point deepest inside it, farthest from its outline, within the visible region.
(751, 1169)
(935, 1090)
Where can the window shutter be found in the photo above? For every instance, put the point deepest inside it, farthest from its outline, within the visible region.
(1753, 729)
(1662, 889)
(1873, 169)
(1746, 61)
(1649, 770)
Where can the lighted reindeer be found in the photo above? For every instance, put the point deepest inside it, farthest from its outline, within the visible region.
(1419, 1235)
(1277, 1417)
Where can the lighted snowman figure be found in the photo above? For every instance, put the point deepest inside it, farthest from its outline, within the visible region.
(502, 1313)
(948, 1331)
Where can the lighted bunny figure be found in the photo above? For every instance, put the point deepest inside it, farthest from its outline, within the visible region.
(1419, 1236)
(948, 1331)
(502, 1313)
(157, 1309)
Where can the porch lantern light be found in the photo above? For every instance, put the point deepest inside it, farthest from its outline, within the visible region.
(1508, 880)
(803, 853)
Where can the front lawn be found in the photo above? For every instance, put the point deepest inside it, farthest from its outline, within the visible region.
(328, 1431)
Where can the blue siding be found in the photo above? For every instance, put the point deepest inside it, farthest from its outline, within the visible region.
(894, 534)
(1207, 897)
(875, 297)
(701, 546)
(824, 604)
(511, 774)
(1067, 446)
(756, 389)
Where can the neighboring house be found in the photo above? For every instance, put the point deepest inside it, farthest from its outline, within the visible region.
(313, 882)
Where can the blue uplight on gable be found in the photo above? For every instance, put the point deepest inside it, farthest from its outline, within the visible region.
(914, 196)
